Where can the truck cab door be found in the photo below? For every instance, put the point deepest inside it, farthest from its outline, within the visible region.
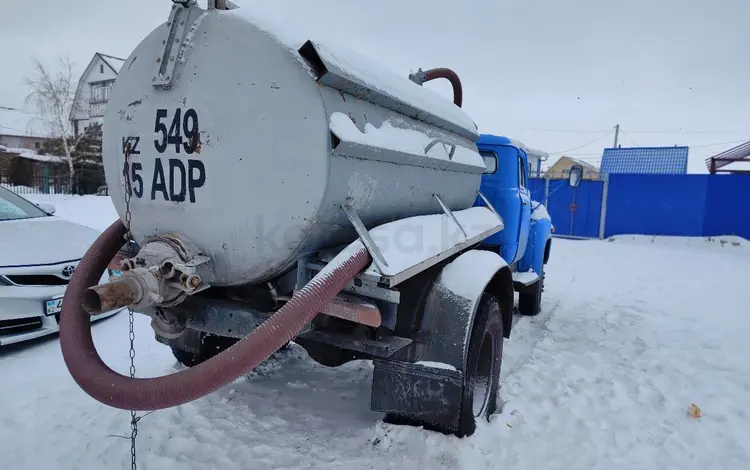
(525, 199)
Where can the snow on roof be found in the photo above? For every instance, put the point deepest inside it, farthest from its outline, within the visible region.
(17, 122)
(537, 153)
(114, 62)
(645, 160)
(32, 155)
(518, 144)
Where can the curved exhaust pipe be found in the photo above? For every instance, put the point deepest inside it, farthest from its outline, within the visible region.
(119, 391)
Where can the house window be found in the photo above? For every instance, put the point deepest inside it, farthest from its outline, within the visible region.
(490, 161)
(37, 145)
(100, 91)
(101, 68)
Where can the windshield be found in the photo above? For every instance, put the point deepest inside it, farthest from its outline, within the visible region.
(13, 206)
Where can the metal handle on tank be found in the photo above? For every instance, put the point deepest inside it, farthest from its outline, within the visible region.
(444, 142)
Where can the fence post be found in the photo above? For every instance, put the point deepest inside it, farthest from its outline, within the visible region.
(546, 190)
(603, 214)
(46, 178)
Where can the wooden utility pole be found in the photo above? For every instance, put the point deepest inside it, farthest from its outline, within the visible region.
(617, 134)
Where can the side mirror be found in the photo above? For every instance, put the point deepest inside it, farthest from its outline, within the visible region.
(48, 208)
(575, 176)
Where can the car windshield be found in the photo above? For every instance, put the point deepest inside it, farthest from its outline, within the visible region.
(13, 207)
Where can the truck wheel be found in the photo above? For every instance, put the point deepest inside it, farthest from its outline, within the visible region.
(481, 375)
(530, 298)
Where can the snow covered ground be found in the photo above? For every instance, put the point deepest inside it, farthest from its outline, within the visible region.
(632, 333)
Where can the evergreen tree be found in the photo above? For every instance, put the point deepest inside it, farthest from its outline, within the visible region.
(89, 148)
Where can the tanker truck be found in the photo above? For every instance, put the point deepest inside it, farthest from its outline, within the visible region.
(280, 190)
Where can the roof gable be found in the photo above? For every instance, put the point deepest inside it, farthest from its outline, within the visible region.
(645, 160)
(115, 63)
(560, 163)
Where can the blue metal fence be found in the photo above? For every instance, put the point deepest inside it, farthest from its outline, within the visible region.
(575, 212)
(680, 205)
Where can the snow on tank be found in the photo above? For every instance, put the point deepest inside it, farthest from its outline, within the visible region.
(248, 145)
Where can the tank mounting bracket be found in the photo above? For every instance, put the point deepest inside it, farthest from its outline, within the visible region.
(450, 214)
(364, 235)
(489, 205)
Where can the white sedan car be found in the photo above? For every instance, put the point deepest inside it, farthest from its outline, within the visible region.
(38, 254)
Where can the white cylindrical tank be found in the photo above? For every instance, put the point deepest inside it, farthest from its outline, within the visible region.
(248, 145)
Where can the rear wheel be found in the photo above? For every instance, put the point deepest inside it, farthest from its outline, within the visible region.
(481, 377)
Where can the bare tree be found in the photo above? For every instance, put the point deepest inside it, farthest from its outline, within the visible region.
(54, 96)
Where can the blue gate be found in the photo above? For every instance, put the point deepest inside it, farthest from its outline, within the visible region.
(575, 212)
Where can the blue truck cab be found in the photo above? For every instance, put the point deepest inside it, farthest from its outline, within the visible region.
(526, 241)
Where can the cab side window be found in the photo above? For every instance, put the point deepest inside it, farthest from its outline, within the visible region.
(521, 172)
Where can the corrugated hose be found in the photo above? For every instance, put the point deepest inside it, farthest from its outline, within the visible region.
(119, 391)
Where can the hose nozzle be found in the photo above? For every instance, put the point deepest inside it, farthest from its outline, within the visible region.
(121, 293)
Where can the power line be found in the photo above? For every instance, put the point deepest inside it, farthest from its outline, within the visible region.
(681, 131)
(582, 146)
(720, 143)
(628, 137)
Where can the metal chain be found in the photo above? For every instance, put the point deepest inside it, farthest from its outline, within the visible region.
(129, 237)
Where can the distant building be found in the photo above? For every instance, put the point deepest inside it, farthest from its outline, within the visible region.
(536, 157)
(561, 168)
(20, 130)
(92, 93)
(645, 160)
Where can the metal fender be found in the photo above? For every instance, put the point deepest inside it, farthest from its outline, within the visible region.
(453, 300)
(538, 247)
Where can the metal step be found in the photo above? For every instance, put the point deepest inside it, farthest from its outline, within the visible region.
(385, 347)
(524, 279)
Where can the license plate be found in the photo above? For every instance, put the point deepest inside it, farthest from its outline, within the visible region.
(53, 306)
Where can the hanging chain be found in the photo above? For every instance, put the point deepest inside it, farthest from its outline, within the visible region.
(129, 238)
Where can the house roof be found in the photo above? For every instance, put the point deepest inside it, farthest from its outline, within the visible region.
(32, 155)
(586, 166)
(645, 160)
(115, 63)
(20, 123)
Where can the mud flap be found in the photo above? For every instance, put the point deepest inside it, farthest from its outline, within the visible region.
(429, 394)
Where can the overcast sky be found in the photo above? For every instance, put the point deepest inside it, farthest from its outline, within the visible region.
(554, 74)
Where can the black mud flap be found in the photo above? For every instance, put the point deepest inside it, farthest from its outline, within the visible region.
(430, 394)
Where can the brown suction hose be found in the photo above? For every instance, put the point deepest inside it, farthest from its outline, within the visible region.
(119, 391)
(451, 76)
